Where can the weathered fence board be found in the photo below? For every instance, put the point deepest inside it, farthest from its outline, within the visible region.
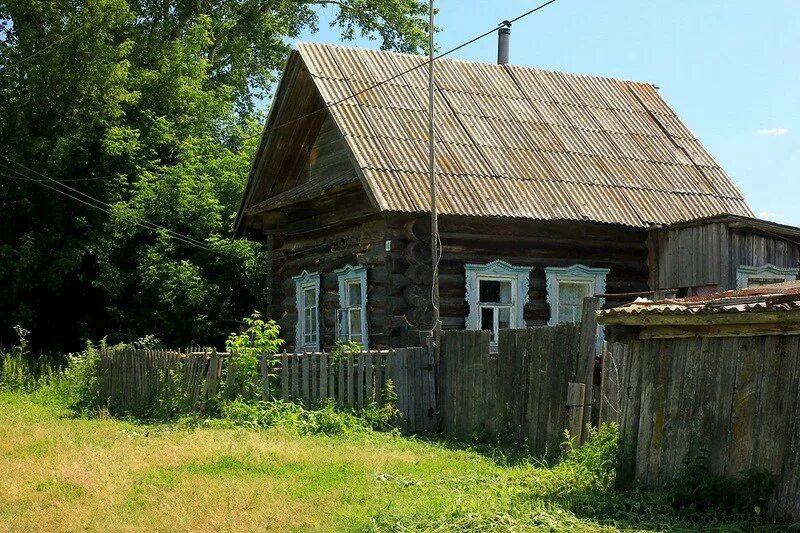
(733, 400)
(517, 396)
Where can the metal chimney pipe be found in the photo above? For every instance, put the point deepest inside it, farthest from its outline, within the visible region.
(503, 38)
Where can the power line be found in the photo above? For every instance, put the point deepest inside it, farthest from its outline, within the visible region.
(71, 180)
(98, 203)
(503, 24)
(99, 208)
(37, 52)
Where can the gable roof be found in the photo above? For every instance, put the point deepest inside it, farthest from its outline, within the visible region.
(517, 142)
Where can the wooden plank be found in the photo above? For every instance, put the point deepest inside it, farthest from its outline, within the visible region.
(360, 372)
(324, 376)
(305, 378)
(742, 434)
(368, 378)
(340, 392)
(295, 376)
(576, 395)
(587, 353)
(285, 376)
(331, 378)
(264, 378)
(350, 378)
(379, 365)
(315, 385)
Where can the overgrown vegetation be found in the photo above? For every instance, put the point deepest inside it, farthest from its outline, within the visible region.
(437, 485)
(155, 109)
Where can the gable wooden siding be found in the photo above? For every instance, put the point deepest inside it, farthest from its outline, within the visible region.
(709, 254)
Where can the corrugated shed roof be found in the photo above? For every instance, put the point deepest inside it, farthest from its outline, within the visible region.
(775, 297)
(519, 142)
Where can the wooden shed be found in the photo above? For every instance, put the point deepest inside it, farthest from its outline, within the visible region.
(721, 253)
(548, 183)
(714, 378)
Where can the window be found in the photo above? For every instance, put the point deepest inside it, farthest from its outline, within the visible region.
(750, 276)
(352, 316)
(307, 294)
(567, 287)
(496, 294)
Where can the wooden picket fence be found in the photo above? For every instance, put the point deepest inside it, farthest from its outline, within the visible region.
(354, 380)
(132, 381)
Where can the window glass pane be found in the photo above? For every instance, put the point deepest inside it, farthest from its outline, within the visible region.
(487, 318)
(505, 292)
(504, 318)
(569, 314)
(354, 294)
(310, 297)
(489, 290)
(355, 323)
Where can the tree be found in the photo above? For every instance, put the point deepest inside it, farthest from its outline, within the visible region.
(148, 106)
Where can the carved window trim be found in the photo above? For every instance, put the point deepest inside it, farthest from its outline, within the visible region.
(306, 280)
(345, 275)
(770, 271)
(497, 270)
(594, 277)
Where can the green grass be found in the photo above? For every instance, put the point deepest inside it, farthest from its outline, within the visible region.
(66, 473)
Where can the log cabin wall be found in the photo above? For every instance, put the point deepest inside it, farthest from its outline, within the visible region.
(340, 229)
(520, 242)
(709, 254)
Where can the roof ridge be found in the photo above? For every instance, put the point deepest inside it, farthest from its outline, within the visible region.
(299, 44)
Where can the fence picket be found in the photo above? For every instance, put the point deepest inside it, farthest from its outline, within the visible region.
(305, 378)
(314, 377)
(285, 376)
(350, 381)
(360, 379)
(295, 373)
(340, 397)
(368, 383)
(323, 375)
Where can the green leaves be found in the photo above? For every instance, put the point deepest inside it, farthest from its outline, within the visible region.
(151, 104)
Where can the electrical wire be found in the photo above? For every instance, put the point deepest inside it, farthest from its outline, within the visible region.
(109, 212)
(503, 24)
(37, 52)
(98, 204)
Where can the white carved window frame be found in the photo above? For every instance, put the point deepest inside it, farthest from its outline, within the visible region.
(498, 270)
(769, 271)
(595, 278)
(306, 280)
(346, 275)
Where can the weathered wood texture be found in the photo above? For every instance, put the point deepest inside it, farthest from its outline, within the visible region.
(736, 398)
(709, 254)
(356, 380)
(517, 396)
(133, 380)
(532, 243)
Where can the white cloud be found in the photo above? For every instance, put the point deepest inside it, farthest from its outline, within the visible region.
(769, 215)
(772, 132)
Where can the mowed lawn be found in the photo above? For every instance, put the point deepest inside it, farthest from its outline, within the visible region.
(63, 473)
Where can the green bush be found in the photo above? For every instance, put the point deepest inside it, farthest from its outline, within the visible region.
(258, 338)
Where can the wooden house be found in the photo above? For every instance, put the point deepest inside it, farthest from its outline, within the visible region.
(548, 183)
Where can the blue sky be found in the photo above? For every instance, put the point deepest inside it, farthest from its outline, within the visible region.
(730, 69)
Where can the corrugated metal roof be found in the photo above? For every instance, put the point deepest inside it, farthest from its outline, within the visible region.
(776, 297)
(517, 141)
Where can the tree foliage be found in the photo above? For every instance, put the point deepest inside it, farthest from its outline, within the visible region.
(149, 106)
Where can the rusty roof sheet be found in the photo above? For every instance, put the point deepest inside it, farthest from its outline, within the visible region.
(517, 141)
(776, 297)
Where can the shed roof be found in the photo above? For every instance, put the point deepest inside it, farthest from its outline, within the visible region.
(516, 141)
(774, 297)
